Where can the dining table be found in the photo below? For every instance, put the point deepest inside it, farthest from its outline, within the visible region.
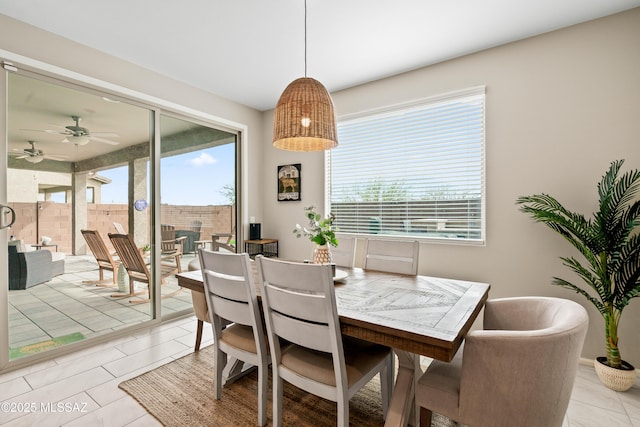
(414, 315)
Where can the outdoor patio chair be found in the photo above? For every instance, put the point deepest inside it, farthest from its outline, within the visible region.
(171, 246)
(29, 267)
(103, 257)
(217, 244)
(119, 228)
(190, 235)
(136, 267)
(196, 226)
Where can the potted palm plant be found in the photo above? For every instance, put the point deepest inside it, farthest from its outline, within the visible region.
(610, 245)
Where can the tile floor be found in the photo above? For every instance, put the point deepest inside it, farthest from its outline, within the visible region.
(86, 383)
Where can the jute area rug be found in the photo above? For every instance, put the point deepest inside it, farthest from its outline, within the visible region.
(180, 393)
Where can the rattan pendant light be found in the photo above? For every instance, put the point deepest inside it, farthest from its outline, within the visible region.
(304, 118)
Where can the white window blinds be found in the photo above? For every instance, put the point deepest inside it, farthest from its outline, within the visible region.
(414, 170)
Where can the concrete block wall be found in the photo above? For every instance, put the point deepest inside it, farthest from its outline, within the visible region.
(34, 220)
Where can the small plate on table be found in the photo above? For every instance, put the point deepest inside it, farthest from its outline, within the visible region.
(340, 275)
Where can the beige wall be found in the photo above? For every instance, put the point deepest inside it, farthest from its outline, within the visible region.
(24, 183)
(35, 44)
(24, 186)
(560, 108)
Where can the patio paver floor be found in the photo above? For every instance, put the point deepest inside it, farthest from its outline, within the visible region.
(65, 305)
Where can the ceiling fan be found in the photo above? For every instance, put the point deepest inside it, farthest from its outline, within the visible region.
(35, 155)
(80, 135)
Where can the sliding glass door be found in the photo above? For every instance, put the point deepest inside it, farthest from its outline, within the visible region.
(71, 156)
(80, 172)
(197, 183)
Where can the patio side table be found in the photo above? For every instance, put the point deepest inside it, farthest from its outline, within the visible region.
(265, 247)
(48, 245)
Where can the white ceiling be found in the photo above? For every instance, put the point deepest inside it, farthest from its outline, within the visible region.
(249, 50)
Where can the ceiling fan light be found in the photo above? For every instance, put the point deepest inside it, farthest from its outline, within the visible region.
(78, 139)
(304, 118)
(35, 159)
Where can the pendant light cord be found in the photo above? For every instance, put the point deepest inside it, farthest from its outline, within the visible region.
(305, 38)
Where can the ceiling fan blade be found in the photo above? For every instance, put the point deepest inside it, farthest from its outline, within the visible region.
(106, 141)
(57, 126)
(23, 156)
(45, 131)
(105, 134)
(56, 158)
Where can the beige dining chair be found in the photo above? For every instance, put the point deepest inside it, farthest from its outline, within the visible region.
(343, 255)
(199, 302)
(318, 359)
(394, 256)
(518, 371)
(235, 317)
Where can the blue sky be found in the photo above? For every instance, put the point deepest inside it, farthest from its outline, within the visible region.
(196, 178)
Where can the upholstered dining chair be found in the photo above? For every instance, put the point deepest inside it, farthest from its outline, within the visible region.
(199, 303)
(394, 256)
(235, 317)
(519, 370)
(343, 255)
(103, 257)
(136, 267)
(318, 359)
(200, 309)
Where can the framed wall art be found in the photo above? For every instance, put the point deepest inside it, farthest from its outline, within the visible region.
(289, 183)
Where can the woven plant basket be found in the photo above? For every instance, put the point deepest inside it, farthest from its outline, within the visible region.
(322, 254)
(615, 379)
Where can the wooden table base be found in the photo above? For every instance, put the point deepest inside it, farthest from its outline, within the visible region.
(402, 410)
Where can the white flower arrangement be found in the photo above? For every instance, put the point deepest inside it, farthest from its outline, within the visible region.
(319, 231)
